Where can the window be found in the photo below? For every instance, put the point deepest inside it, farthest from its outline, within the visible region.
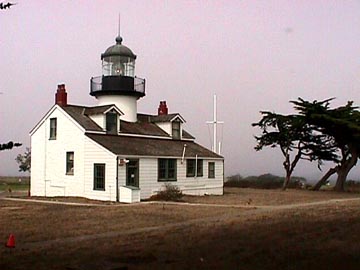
(192, 165)
(70, 163)
(175, 125)
(53, 128)
(166, 169)
(211, 170)
(190, 168)
(111, 122)
(99, 176)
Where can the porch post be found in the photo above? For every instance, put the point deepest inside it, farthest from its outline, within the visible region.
(117, 178)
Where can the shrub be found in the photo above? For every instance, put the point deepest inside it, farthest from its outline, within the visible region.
(169, 192)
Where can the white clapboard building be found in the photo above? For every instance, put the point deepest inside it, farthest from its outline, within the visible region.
(110, 151)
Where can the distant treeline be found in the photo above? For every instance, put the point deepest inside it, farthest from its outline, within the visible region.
(264, 181)
(270, 181)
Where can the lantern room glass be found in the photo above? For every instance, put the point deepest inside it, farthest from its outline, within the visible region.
(118, 66)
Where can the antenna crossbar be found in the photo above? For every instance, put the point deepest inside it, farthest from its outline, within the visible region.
(215, 122)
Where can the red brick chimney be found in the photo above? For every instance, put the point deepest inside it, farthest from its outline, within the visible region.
(61, 95)
(163, 109)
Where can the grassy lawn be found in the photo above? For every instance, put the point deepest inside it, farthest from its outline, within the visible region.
(14, 183)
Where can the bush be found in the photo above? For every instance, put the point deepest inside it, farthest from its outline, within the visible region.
(169, 192)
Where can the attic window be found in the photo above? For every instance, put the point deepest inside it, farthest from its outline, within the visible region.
(175, 126)
(53, 127)
(111, 122)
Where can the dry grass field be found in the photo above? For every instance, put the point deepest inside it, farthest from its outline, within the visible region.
(278, 230)
(14, 183)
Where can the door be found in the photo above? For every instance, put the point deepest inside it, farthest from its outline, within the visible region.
(132, 173)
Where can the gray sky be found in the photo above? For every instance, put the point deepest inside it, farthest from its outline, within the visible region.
(256, 55)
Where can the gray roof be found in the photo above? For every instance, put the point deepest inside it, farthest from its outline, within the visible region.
(77, 113)
(165, 117)
(142, 128)
(144, 125)
(97, 109)
(137, 146)
(187, 135)
(118, 50)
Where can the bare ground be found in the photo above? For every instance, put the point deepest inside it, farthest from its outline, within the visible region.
(320, 230)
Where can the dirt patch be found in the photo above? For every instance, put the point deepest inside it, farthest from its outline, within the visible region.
(160, 236)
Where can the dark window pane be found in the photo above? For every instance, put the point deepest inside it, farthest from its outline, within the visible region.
(199, 167)
(176, 130)
(211, 171)
(53, 127)
(190, 167)
(162, 168)
(166, 169)
(69, 162)
(111, 122)
(171, 169)
(99, 176)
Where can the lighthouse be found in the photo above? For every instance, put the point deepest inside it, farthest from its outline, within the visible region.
(118, 84)
(110, 152)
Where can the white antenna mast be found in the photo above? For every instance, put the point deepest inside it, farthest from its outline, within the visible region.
(119, 26)
(214, 123)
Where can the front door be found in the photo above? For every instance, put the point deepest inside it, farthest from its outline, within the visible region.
(132, 173)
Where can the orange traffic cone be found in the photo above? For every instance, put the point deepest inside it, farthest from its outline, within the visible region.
(11, 241)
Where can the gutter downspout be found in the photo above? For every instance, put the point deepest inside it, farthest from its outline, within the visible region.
(183, 154)
(117, 178)
(196, 163)
(223, 186)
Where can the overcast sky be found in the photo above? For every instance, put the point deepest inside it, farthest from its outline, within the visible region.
(255, 55)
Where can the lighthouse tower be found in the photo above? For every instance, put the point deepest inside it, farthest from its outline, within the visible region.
(118, 84)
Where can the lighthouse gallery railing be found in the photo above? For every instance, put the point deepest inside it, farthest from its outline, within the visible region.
(96, 85)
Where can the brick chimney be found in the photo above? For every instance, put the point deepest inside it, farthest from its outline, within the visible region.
(61, 95)
(163, 109)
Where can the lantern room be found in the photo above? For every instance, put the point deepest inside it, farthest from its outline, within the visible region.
(118, 73)
(118, 60)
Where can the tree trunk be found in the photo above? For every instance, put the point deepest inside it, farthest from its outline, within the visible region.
(340, 181)
(287, 180)
(344, 169)
(289, 168)
(323, 180)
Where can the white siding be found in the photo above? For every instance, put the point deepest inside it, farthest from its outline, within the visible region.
(148, 177)
(122, 174)
(94, 153)
(49, 158)
(129, 195)
(149, 185)
(99, 119)
(165, 126)
(38, 152)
